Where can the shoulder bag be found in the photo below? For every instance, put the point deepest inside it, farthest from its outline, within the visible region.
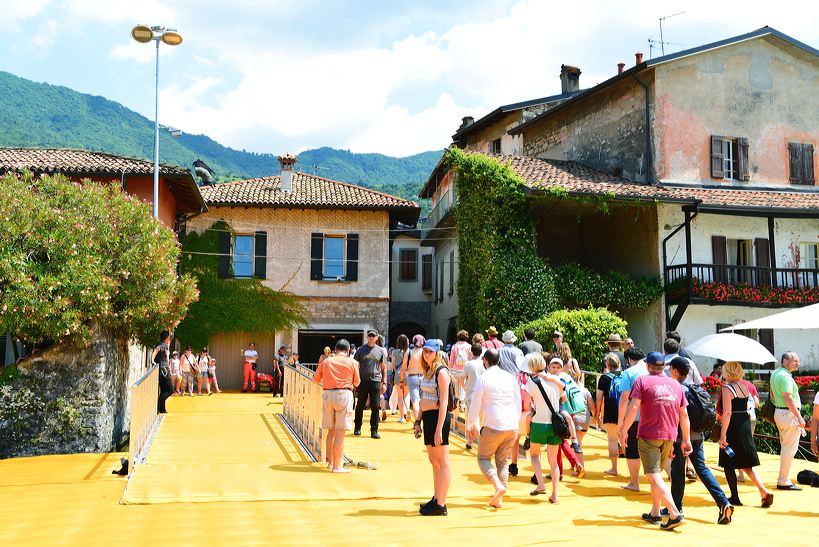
(558, 420)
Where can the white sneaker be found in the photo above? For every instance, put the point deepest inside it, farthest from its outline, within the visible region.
(401, 420)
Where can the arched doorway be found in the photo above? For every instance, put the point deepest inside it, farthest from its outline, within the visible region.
(409, 328)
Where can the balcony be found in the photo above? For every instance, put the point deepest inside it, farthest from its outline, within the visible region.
(721, 284)
(444, 206)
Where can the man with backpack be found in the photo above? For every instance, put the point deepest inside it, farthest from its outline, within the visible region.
(702, 416)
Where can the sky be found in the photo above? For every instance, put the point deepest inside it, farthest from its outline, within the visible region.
(387, 76)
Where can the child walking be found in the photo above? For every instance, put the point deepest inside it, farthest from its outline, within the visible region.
(212, 372)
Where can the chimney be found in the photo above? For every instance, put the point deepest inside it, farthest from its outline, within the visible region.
(638, 58)
(620, 67)
(466, 121)
(287, 161)
(569, 79)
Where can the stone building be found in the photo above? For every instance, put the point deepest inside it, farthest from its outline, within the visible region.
(327, 242)
(712, 149)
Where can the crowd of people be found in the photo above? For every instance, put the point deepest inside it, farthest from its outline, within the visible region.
(652, 406)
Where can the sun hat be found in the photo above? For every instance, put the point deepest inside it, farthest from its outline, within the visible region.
(557, 333)
(492, 331)
(509, 337)
(614, 338)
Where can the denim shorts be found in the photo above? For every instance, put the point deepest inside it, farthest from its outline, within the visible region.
(414, 383)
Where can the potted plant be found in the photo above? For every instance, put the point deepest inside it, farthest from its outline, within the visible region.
(712, 386)
(808, 385)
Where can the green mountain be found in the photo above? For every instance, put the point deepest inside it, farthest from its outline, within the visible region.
(43, 115)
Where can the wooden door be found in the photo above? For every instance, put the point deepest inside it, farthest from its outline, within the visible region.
(228, 350)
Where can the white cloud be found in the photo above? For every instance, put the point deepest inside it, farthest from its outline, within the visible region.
(16, 11)
(45, 35)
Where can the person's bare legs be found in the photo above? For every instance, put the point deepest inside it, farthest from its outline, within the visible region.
(534, 457)
(580, 458)
(634, 476)
(338, 451)
(444, 473)
(552, 451)
(751, 472)
(661, 495)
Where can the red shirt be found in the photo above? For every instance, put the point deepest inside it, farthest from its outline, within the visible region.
(660, 401)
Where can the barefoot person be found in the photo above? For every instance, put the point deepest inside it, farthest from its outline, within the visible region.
(436, 422)
(637, 368)
(662, 408)
(338, 376)
(497, 395)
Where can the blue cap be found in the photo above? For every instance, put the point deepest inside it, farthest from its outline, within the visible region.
(654, 358)
(433, 345)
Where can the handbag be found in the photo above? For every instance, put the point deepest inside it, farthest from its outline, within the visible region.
(766, 411)
(558, 420)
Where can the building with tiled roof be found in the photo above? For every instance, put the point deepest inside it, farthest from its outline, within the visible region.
(327, 242)
(179, 195)
(697, 167)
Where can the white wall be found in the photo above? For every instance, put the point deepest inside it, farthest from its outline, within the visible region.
(408, 291)
(446, 309)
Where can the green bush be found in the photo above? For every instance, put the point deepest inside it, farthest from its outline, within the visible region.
(585, 330)
(229, 305)
(71, 254)
(580, 287)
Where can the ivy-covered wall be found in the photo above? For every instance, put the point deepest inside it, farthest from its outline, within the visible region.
(229, 305)
(501, 281)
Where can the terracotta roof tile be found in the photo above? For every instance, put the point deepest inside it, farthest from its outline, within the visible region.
(75, 161)
(308, 191)
(580, 179)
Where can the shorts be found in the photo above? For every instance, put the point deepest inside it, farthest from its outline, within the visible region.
(205, 374)
(337, 409)
(653, 454)
(429, 421)
(631, 450)
(544, 434)
(414, 384)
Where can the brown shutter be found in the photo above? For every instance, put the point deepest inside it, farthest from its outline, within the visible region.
(763, 260)
(426, 272)
(807, 164)
(766, 339)
(744, 168)
(795, 157)
(719, 247)
(316, 255)
(716, 157)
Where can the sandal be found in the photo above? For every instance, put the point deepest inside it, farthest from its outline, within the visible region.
(767, 501)
(537, 492)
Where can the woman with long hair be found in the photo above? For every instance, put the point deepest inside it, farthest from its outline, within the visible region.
(570, 365)
(434, 424)
(736, 443)
(399, 385)
(411, 373)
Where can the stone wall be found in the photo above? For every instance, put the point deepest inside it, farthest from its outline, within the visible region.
(373, 312)
(68, 399)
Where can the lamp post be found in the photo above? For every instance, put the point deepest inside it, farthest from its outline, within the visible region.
(144, 34)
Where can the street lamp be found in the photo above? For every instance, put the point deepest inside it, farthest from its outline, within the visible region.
(144, 34)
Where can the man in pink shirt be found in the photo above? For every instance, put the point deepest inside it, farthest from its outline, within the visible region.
(662, 410)
(338, 376)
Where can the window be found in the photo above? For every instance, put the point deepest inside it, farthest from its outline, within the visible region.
(801, 163)
(729, 158)
(739, 254)
(243, 256)
(408, 264)
(495, 147)
(441, 281)
(426, 273)
(451, 272)
(334, 257)
(809, 256)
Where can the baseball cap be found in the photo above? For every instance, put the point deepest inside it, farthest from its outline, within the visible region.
(372, 332)
(654, 358)
(557, 360)
(556, 333)
(433, 345)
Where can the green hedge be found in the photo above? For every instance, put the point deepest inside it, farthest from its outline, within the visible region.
(585, 330)
(580, 287)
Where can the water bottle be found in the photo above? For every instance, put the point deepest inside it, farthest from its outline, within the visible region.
(729, 451)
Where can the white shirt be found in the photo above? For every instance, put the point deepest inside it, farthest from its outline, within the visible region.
(472, 371)
(497, 395)
(251, 355)
(694, 375)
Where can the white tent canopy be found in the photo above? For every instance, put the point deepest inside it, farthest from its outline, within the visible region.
(800, 318)
(731, 347)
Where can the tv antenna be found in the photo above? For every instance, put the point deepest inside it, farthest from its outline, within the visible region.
(662, 43)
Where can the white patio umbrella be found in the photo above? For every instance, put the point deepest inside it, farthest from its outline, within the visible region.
(731, 347)
(806, 317)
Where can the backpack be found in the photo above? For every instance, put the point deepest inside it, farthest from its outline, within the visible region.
(701, 412)
(575, 401)
(451, 403)
(616, 387)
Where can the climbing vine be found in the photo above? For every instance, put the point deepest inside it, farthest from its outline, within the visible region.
(229, 305)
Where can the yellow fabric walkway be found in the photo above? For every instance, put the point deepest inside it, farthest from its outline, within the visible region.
(232, 451)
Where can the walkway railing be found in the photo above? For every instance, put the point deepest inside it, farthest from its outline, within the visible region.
(302, 409)
(144, 399)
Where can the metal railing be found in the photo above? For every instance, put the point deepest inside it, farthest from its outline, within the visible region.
(442, 206)
(302, 409)
(754, 276)
(144, 399)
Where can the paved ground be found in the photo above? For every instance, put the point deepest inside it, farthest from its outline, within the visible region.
(223, 470)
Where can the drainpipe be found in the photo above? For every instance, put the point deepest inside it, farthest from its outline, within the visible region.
(647, 130)
(122, 181)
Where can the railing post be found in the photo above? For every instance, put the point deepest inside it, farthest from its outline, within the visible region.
(688, 268)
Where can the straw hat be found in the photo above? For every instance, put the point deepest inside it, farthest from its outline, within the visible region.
(492, 331)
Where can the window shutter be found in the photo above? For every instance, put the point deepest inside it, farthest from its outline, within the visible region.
(763, 260)
(426, 272)
(224, 255)
(719, 247)
(451, 272)
(316, 255)
(766, 339)
(716, 157)
(807, 164)
(744, 168)
(260, 262)
(352, 257)
(795, 156)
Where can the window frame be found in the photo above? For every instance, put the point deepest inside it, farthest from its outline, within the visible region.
(342, 260)
(404, 265)
(495, 147)
(804, 260)
(250, 257)
(426, 272)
